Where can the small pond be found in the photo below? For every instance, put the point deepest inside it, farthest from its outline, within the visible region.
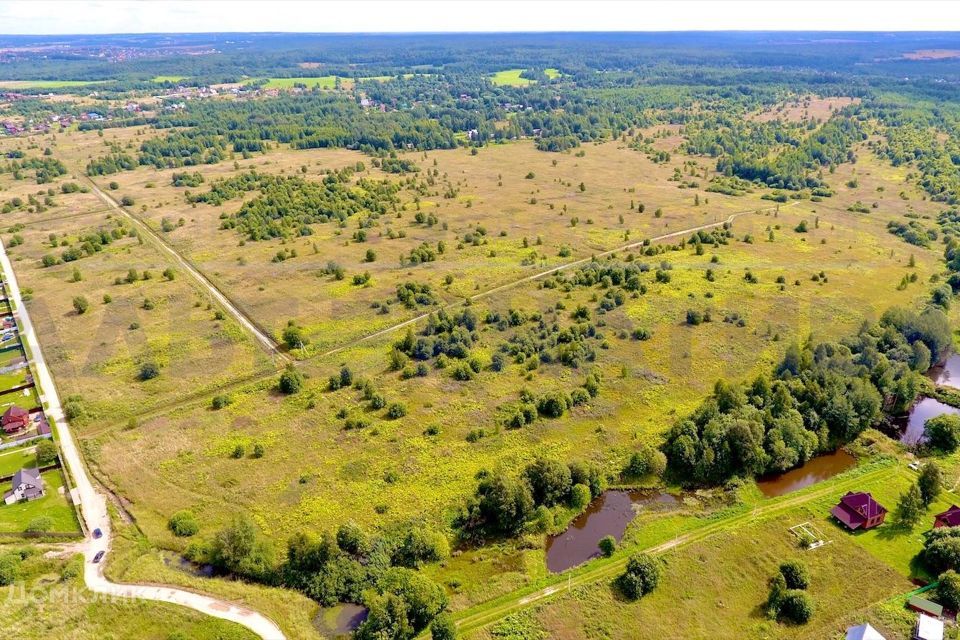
(608, 515)
(924, 410)
(948, 373)
(340, 620)
(813, 471)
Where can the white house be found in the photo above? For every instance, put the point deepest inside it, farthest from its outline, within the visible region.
(864, 632)
(928, 628)
(27, 485)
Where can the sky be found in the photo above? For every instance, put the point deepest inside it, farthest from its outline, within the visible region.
(155, 16)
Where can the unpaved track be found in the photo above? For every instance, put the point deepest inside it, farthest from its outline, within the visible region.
(245, 321)
(542, 274)
(93, 505)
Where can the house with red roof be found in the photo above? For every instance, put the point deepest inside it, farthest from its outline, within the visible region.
(14, 419)
(858, 510)
(949, 518)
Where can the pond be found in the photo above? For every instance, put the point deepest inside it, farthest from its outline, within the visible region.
(341, 620)
(813, 471)
(912, 424)
(608, 515)
(948, 373)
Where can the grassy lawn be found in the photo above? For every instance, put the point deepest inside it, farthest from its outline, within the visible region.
(168, 78)
(13, 378)
(15, 517)
(25, 398)
(311, 82)
(56, 604)
(510, 77)
(12, 460)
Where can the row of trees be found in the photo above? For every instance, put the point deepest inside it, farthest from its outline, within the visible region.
(345, 566)
(822, 395)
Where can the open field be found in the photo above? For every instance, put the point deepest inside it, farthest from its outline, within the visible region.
(646, 384)
(322, 82)
(511, 77)
(44, 84)
(492, 193)
(401, 313)
(166, 322)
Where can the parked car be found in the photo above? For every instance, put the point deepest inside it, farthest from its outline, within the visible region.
(97, 533)
(99, 556)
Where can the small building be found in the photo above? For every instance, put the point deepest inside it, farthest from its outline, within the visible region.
(27, 485)
(923, 605)
(14, 419)
(858, 510)
(928, 628)
(863, 632)
(949, 518)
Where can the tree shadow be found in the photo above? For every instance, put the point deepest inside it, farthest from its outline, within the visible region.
(892, 530)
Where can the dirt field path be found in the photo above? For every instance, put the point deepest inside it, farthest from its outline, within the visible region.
(245, 321)
(93, 505)
(542, 274)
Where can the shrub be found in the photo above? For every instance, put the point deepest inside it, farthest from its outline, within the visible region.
(9, 569)
(443, 627)
(580, 496)
(607, 545)
(221, 401)
(640, 577)
(183, 524)
(148, 371)
(39, 525)
(351, 539)
(553, 404)
(396, 410)
(46, 453)
(795, 606)
(80, 305)
(795, 574)
(238, 451)
(579, 396)
(291, 381)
